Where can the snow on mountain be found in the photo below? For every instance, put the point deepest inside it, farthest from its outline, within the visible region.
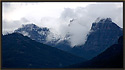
(34, 32)
(42, 35)
(25, 33)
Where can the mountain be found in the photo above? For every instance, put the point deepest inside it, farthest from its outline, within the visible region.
(63, 45)
(112, 57)
(20, 51)
(40, 35)
(102, 35)
(34, 32)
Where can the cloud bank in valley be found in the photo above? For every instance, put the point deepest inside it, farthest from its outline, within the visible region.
(58, 19)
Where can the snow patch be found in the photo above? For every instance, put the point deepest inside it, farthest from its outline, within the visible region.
(25, 33)
(41, 32)
(99, 19)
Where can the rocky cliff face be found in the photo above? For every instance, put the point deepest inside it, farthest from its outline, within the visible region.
(103, 34)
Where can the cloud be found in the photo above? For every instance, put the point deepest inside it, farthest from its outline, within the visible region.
(58, 17)
(10, 26)
(83, 17)
(113, 11)
(78, 33)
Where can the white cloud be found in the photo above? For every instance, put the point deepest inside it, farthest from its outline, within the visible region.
(85, 16)
(17, 10)
(78, 33)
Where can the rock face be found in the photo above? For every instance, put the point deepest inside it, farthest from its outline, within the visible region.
(112, 57)
(19, 51)
(34, 32)
(102, 35)
(63, 45)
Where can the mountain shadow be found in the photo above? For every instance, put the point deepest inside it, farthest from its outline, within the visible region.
(110, 58)
(19, 51)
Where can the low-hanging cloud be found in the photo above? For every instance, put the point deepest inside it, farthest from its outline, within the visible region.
(84, 17)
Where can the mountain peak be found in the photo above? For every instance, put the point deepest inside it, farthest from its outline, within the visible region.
(34, 32)
(30, 26)
(102, 20)
(103, 23)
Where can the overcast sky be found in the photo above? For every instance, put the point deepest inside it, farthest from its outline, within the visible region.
(56, 15)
